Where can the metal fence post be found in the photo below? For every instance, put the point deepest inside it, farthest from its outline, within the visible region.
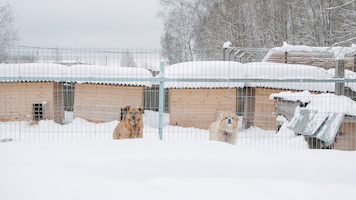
(340, 73)
(161, 101)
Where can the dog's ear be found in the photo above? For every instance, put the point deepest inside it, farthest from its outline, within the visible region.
(141, 110)
(123, 112)
(237, 118)
(221, 115)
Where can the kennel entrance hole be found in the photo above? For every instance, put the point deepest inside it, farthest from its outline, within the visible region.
(37, 111)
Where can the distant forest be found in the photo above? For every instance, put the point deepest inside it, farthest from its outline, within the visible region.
(192, 26)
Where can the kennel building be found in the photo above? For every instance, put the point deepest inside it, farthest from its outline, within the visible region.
(29, 92)
(338, 120)
(36, 91)
(101, 100)
(198, 104)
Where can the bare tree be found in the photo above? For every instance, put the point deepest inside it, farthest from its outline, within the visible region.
(205, 25)
(127, 59)
(178, 21)
(347, 32)
(8, 33)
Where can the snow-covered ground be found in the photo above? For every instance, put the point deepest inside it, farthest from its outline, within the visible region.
(184, 166)
(80, 129)
(154, 169)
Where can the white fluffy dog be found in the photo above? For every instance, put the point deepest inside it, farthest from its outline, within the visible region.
(225, 128)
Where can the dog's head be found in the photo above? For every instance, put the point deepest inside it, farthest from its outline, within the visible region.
(133, 115)
(228, 120)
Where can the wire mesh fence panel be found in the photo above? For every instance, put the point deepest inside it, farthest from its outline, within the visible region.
(255, 98)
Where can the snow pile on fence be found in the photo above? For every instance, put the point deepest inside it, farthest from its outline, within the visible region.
(74, 73)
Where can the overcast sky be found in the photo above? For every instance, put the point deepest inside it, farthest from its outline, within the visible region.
(88, 23)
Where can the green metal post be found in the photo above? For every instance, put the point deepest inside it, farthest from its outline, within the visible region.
(161, 102)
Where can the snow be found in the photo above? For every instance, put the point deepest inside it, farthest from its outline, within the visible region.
(256, 70)
(50, 71)
(154, 169)
(348, 75)
(227, 44)
(83, 162)
(204, 70)
(321, 102)
(78, 129)
(322, 116)
(338, 52)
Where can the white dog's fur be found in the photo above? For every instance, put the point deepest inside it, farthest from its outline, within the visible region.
(225, 128)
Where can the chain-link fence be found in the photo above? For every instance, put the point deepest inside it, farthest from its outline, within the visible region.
(282, 98)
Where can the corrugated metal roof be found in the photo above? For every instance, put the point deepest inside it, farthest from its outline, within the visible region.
(92, 74)
(320, 125)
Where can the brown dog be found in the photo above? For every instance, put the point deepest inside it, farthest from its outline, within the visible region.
(225, 128)
(131, 124)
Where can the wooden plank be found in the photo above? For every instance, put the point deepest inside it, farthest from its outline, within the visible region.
(199, 107)
(105, 100)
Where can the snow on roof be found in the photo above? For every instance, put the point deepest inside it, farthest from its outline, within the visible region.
(325, 102)
(282, 71)
(74, 73)
(204, 70)
(322, 116)
(257, 70)
(338, 52)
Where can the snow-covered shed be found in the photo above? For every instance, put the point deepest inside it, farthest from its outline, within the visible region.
(326, 120)
(197, 104)
(28, 92)
(316, 56)
(101, 101)
(262, 113)
(36, 91)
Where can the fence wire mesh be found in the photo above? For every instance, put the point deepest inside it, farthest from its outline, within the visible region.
(279, 99)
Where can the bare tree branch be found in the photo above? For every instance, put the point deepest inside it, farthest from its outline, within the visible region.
(336, 7)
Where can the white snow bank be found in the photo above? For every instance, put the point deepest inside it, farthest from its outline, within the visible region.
(79, 129)
(189, 170)
(321, 102)
(50, 71)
